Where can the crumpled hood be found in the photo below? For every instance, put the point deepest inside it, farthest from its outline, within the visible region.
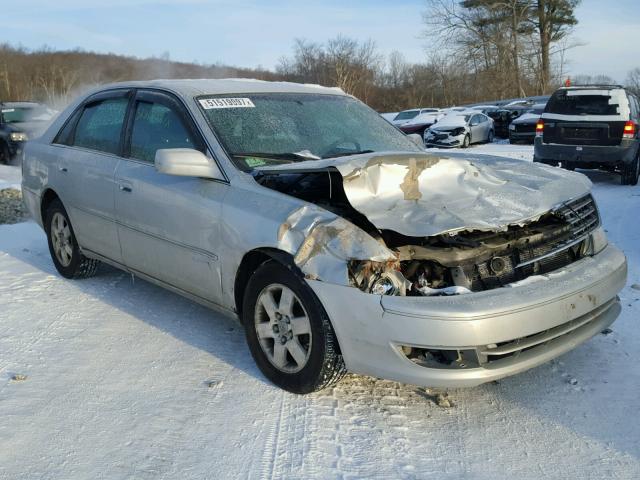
(421, 195)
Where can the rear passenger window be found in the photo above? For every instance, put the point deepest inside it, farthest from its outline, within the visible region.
(157, 126)
(100, 125)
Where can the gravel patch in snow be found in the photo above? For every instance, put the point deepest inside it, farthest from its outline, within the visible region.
(11, 208)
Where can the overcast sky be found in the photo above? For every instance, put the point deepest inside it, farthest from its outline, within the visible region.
(251, 33)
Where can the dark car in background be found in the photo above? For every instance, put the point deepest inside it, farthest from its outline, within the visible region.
(20, 121)
(523, 128)
(503, 117)
(592, 126)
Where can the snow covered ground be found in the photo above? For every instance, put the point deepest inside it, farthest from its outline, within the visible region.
(125, 380)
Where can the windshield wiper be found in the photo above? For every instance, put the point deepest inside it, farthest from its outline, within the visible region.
(346, 154)
(295, 156)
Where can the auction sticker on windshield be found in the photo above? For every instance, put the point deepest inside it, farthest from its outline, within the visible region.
(211, 103)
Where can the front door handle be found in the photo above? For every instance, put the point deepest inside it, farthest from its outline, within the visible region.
(125, 188)
(63, 169)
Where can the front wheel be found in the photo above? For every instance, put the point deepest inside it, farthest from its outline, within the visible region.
(631, 172)
(63, 246)
(288, 332)
(466, 141)
(5, 156)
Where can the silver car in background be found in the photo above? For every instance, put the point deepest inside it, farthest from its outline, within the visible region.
(460, 130)
(338, 243)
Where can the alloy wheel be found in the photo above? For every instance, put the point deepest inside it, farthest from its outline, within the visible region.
(283, 328)
(61, 239)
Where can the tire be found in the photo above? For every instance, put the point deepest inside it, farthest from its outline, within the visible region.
(320, 362)
(63, 247)
(5, 156)
(567, 166)
(630, 173)
(466, 141)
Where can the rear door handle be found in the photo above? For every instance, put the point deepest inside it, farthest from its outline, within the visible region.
(63, 169)
(125, 188)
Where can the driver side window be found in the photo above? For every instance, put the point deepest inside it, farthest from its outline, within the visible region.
(157, 126)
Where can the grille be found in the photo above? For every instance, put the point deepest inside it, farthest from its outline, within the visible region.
(580, 217)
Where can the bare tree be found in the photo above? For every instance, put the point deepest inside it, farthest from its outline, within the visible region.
(633, 80)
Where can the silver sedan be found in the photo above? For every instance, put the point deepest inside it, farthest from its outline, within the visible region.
(460, 129)
(338, 243)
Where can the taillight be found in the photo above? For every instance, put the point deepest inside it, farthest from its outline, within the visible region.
(629, 130)
(539, 128)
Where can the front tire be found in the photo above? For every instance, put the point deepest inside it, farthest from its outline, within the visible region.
(466, 141)
(63, 246)
(288, 331)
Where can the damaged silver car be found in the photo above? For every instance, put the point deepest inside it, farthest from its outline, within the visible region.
(337, 242)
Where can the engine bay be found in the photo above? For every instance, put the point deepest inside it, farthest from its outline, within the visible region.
(449, 264)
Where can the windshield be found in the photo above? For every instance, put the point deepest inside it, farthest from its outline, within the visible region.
(17, 115)
(264, 128)
(407, 115)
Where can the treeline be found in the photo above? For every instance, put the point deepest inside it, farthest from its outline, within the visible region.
(476, 50)
(53, 76)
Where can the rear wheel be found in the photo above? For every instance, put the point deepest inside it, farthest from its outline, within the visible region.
(288, 332)
(631, 172)
(63, 247)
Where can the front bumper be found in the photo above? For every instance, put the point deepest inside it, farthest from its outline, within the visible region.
(448, 142)
(521, 136)
(371, 329)
(588, 156)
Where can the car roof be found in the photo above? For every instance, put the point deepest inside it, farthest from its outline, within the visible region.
(206, 86)
(20, 104)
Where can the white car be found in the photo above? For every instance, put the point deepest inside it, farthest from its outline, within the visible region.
(408, 115)
(460, 130)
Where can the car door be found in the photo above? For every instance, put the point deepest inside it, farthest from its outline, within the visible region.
(89, 149)
(475, 128)
(168, 225)
(485, 123)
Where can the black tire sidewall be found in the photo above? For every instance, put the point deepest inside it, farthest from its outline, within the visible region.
(76, 258)
(307, 379)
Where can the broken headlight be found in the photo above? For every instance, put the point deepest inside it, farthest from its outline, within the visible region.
(390, 282)
(378, 278)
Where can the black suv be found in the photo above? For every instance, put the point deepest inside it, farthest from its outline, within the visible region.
(20, 121)
(593, 126)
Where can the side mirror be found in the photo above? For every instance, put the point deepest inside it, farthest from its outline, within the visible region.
(417, 139)
(186, 162)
